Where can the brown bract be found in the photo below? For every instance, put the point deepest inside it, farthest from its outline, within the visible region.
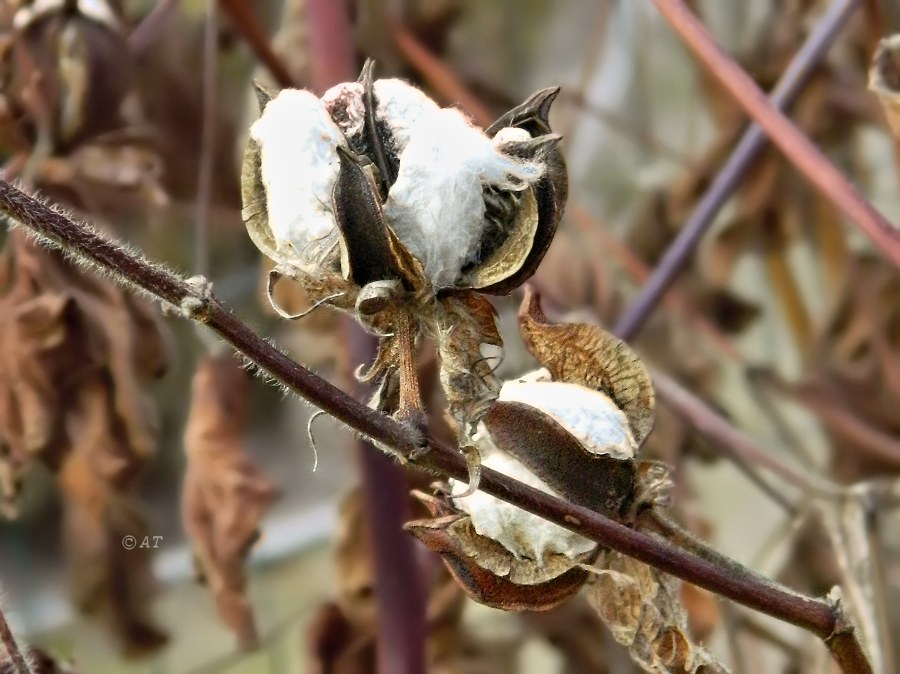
(641, 607)
(224, 495)
(489, 573)
(588, 355)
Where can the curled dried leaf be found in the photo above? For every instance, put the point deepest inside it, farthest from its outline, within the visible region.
(641, 607)
(224, 494)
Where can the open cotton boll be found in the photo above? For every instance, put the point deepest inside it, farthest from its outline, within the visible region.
(436, 206)
(525, 535)
(346, 106)
(299, 166)
(589, 415)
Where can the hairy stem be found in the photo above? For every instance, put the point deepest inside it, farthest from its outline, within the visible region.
(823, 618)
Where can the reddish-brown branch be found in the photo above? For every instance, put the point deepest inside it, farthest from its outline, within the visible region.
(820, 617)
(442, 80)
(805, 156)
(729, 177)
(247, 26)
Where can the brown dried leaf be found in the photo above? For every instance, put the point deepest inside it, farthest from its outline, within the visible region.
(107, 579)
(590, 356)
(224, 495)
(641, 607)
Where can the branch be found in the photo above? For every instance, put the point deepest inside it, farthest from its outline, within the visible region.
(245, 23)
(823, 618)
(679, 253)
(805, 156)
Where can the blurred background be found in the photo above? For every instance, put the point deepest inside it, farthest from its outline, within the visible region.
(134, 115)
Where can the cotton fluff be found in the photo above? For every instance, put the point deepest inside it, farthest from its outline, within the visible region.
(299, 166)
(525, 535)
(589, 415)
(436, 206)
(401, 105)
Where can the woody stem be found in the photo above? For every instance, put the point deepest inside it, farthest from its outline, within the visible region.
(410, 396)
(823, 618)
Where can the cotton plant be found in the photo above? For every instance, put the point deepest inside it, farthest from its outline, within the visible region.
(382, 204)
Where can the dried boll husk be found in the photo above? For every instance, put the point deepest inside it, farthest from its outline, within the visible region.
(82, 56)
(400, 212)
(487, 572)
(570, 429)
(472, 209)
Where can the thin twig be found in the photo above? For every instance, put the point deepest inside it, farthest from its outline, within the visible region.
(733, 441)
(445, 82)
(805, 156)
(399, 590)
(247, 26)
(823, 618)
(729, 177)
(207, 142)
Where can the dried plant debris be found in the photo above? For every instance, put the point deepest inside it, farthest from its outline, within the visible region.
(76, 355)
(884, 80)
(642, 608)
(576, 437)
(401, 211)
(224, 495)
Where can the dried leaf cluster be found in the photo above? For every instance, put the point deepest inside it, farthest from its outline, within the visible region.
(77, 356)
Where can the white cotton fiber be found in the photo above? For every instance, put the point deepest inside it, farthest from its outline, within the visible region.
(589, 415)
(436, 205)
(401, 105)
(299, 165)
(525, 535)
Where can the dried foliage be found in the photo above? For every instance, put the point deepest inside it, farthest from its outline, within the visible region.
(76, 359)
(375, 200)
(225, 495)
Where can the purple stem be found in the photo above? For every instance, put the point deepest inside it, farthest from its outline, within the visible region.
(727, 180)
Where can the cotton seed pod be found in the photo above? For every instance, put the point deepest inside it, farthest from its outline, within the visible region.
(379, 170)
(571, 429)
